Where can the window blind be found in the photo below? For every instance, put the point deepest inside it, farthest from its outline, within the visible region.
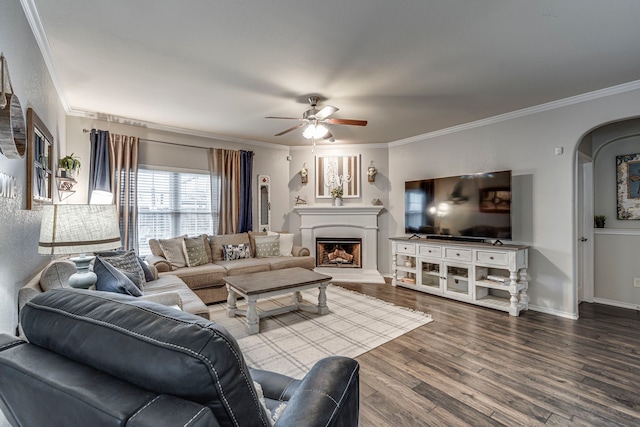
(172, 204)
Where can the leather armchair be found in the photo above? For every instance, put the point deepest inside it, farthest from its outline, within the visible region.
(101, 359)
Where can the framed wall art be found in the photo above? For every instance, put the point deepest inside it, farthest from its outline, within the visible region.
(628, 186)
(338, 171)
(39, 171)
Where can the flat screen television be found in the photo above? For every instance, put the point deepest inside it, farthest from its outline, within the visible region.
(476, 206)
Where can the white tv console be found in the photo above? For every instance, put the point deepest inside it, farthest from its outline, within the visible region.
(478, 273)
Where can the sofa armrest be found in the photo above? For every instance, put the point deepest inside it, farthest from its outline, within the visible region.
(160, 263)
(170, 299)
(327, 396)
(300, 251)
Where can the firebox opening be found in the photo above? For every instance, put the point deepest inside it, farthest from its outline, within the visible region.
(338, 252)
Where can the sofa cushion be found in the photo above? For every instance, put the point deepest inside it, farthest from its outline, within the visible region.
(252, 240)
(163, 346)
(225, 239)
(110, 279)
(267, 246)
(286, 242)
(194, 250)
(244, 266)
(241, 251)
(173, 251)
(201, 276)
(279, 263)
(191, 303)
(127, 262)
(56, 275)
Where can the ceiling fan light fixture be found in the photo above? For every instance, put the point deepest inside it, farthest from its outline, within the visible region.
(315, 131)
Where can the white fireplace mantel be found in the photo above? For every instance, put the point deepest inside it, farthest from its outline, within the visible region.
(359, 221)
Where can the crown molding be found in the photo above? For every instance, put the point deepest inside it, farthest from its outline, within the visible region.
(31, 13)
(589, 96)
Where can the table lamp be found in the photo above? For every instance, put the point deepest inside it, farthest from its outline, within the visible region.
(79, 229)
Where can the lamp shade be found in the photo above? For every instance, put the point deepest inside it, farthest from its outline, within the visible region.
(74, 229)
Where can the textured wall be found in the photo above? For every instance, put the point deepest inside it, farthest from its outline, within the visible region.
(19, 228)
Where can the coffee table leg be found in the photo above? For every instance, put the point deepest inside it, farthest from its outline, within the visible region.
(253, 326)
(322, 299)
(232, 308)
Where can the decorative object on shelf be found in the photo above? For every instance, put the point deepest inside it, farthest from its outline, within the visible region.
(69, 165)
(65, 187)
(371, 172)
(39, 173)
(628, 186)
(300, 201)
(376, 202)
(78, 229)
(13, 132)
(338, 171)
(304, 174)
(599, 220)
(337, 194)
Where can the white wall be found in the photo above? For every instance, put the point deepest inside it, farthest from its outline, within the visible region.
(615, 246)
(543, 183)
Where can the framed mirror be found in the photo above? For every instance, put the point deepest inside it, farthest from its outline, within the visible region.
(264, 202)
(39, 170)
(338, 171)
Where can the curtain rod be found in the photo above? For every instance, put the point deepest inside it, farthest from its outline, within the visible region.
(177, 144)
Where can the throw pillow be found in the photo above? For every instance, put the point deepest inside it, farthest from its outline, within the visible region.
(286, 242)
(173, 251)
(127, 262)
(267, 246)
(195, 252)
(239, 251)
(110, 279)
(56, 275)
(148, 274)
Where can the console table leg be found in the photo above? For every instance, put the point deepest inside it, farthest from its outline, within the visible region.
(232, 308)
(322, 299)
(253, 325)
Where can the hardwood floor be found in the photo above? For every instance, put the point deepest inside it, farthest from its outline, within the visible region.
(481, 367)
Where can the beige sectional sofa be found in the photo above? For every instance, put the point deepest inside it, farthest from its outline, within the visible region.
(166, 290)
(207, 280)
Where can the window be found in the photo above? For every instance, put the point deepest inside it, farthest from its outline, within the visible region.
(172, 204)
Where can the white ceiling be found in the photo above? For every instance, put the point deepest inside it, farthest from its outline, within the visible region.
(409, 67)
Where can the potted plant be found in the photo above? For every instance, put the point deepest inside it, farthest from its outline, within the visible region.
(599, 220)
(337, 193)
(70, 165)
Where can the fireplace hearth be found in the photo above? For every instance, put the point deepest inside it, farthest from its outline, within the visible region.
(335, 252)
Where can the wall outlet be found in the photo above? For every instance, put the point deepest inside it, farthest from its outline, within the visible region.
(636, 282)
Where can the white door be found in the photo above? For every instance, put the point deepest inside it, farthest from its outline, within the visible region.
(584, 230)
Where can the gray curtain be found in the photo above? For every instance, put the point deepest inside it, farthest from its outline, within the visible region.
(245, 217)
(99, 166)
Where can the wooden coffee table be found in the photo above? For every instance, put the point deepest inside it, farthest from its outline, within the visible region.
(272, 283)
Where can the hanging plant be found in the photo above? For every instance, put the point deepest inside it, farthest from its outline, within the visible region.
(70, 163)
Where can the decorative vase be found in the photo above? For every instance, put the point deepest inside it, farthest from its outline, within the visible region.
(337, 201)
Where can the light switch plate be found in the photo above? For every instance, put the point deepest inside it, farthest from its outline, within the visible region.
(636, 282)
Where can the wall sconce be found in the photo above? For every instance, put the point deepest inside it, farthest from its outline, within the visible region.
(371, 172)
(304, 174)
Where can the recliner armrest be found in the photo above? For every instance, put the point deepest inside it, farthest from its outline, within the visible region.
(327, 396)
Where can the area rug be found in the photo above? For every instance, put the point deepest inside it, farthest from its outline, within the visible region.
(291, 343)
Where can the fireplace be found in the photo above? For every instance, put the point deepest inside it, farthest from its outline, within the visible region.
(337, 252)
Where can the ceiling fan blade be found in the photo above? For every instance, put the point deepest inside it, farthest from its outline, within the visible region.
(347, 122)
(290, 129)
(286, 118)
(326, 112)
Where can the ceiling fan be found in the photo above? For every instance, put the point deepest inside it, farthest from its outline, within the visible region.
(315, 121)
